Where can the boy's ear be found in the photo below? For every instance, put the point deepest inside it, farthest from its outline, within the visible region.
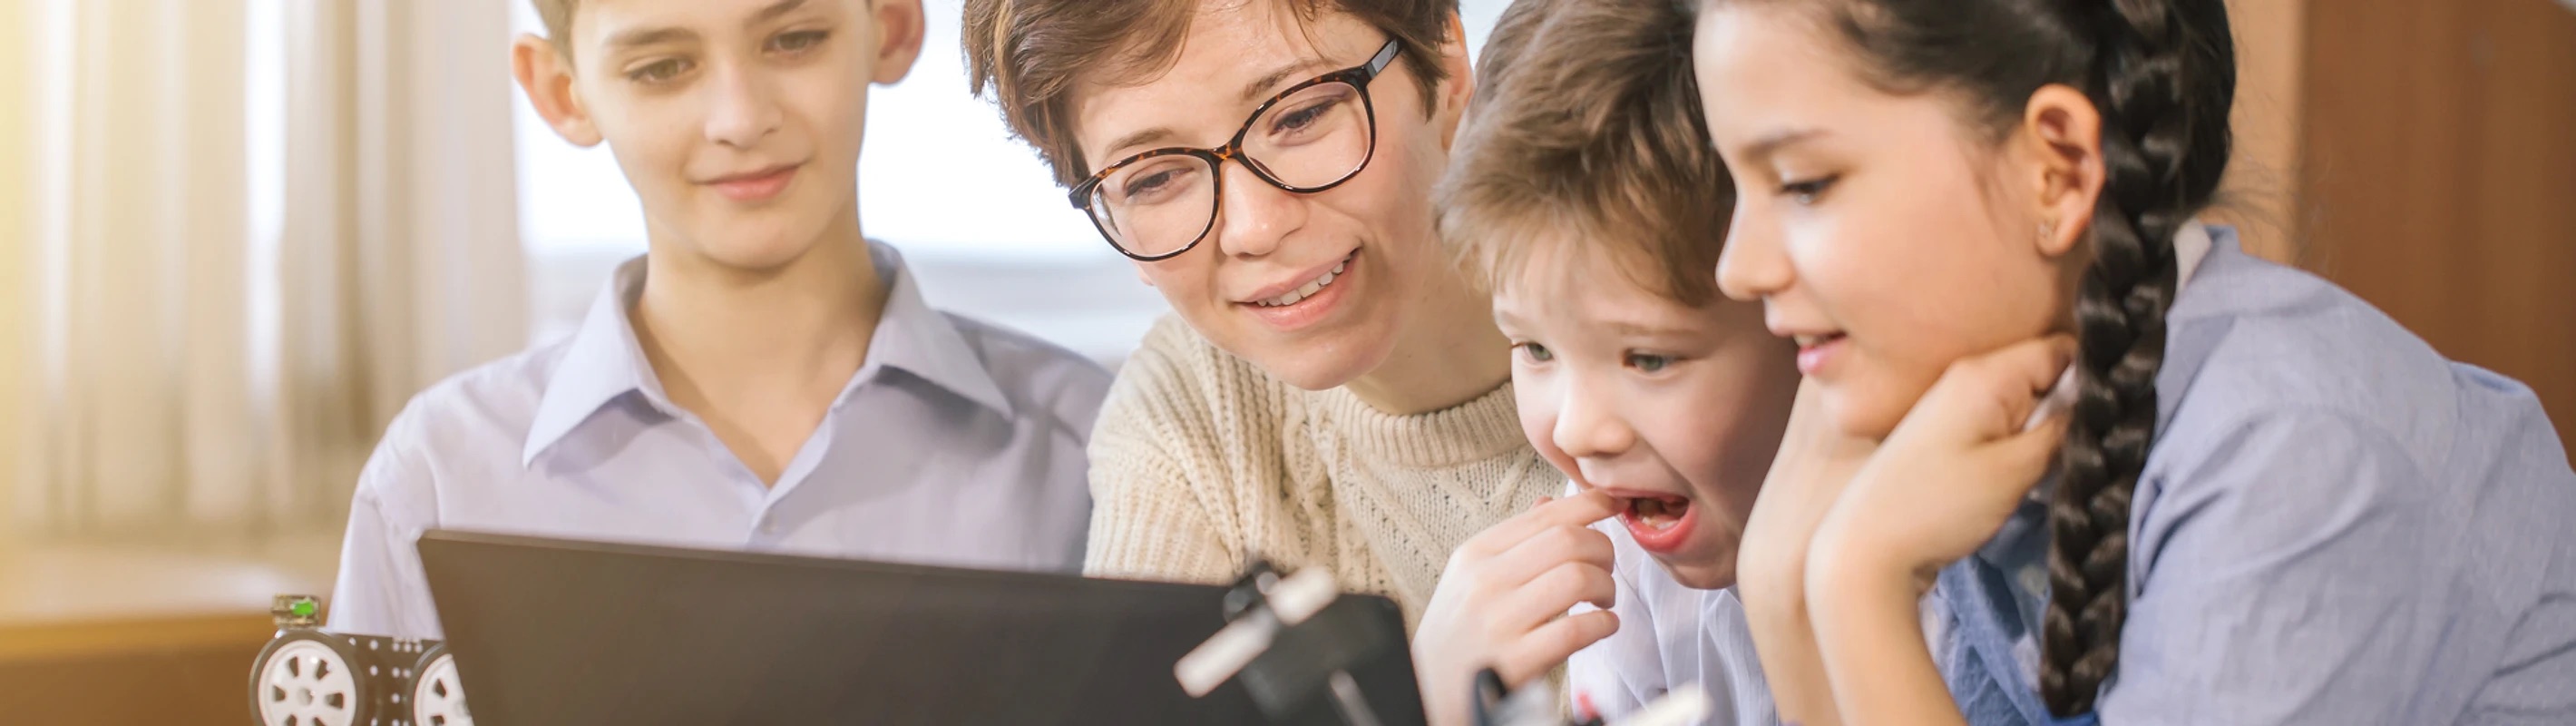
(899, 31)
(1461, 86)
(2062, 133)
(545, 75)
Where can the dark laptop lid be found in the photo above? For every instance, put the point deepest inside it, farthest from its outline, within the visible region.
(554, 632)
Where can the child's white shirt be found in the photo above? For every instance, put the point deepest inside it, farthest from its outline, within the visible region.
(1669, 635)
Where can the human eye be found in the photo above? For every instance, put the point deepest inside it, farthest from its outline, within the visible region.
(1807, 191)
(660, 71)
(1312, 113)
(1533, 352)
(798, 41)
(1647, 362)
(1155, 182)
(1302, 118)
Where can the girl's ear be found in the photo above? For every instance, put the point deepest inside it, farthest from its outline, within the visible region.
(2061, 132)
(1461, 86)
(545, 75)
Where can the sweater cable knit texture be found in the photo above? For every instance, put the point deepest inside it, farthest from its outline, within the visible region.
(1201, 462)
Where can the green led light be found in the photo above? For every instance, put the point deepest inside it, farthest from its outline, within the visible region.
(302, 608)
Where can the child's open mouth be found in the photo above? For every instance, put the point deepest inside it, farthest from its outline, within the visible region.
(1660, 523)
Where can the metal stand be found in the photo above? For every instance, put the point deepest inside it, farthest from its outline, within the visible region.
(1288, 644)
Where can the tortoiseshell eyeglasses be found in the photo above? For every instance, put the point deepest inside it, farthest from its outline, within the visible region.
(1307, 139)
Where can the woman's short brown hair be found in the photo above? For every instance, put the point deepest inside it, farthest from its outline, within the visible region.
(1034, 54)
(1586, 129)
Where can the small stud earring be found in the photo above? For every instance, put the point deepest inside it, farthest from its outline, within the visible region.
(2048, 229)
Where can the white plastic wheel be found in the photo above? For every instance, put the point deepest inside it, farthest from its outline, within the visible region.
(436, 697)
(306, 683)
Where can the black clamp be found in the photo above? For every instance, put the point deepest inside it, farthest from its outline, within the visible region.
(1291, 640)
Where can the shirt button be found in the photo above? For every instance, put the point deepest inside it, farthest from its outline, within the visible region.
(768, 526)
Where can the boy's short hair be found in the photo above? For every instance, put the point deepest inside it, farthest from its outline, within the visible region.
(556, 15)
(1586, 130)
(1034, 54)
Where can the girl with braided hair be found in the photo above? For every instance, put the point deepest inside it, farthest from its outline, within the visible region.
(2264, 503)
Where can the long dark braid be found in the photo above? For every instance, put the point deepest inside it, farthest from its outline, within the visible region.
(2163, 75)
(2164, 147)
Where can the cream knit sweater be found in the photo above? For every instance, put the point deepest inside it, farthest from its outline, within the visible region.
(1201, 462)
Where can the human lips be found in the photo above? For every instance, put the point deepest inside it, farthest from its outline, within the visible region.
(1817, 350)
(755, 185)
(1305, 285)
(1660, 522)
(1306, 300)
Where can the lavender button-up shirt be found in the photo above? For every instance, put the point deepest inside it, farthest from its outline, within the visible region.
(957, 443)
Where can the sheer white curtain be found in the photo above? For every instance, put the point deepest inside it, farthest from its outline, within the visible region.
(400, 259)
(139, 216)
(17, 241)
(222, 321)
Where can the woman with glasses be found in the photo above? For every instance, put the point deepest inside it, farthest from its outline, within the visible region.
(1331, 392)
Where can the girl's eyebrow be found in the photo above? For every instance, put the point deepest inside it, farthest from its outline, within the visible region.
(1768, 144)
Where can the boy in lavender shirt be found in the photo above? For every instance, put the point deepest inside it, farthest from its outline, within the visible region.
(764, 377)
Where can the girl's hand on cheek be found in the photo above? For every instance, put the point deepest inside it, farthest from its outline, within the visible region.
(1952, 472)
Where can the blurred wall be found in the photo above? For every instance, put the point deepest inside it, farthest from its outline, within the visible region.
(2261, 189)
(2423, 155)
(2439, 176)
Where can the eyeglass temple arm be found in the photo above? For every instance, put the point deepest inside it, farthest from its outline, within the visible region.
(1377, 64)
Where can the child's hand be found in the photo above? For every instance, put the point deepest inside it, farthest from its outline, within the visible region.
(1815, 462)
(1952, 472)
(1502, 602)
(1937, 488)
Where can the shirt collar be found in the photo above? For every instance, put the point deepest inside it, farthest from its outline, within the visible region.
(603, 361)
(924, 342)
(2192, 244)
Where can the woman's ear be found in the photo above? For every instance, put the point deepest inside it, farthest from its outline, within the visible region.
(899, 39)
(2061, 134)
(1461, 86)
(545, 75)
